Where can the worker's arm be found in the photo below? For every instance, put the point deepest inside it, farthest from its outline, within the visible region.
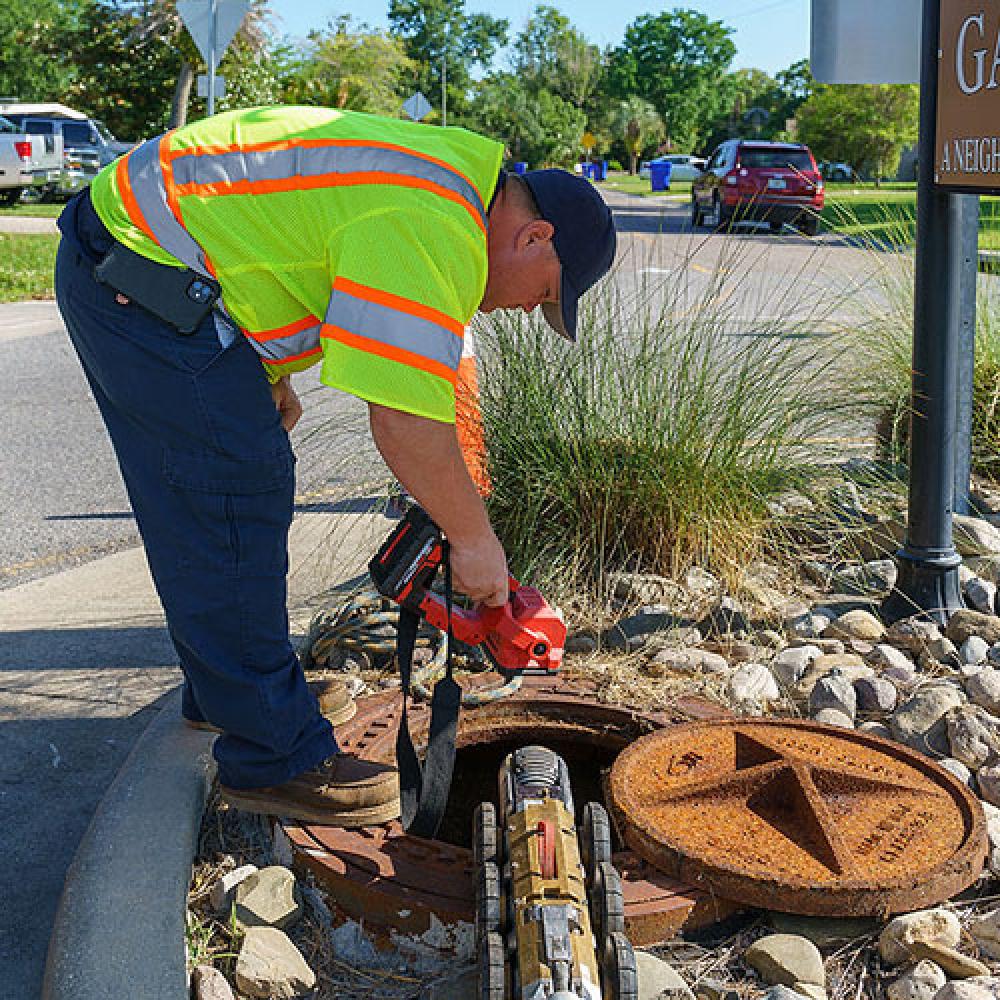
(287, 402)
(426, 458)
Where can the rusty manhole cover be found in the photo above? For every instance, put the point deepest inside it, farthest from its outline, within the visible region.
(798, 816)
(390, 878)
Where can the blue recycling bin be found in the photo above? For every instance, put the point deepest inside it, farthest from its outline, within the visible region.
(659, 175)
(520, 167)
(603, 164)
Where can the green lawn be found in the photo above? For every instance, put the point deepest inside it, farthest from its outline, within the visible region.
(634, 184)
(36, 210)
(28, 262)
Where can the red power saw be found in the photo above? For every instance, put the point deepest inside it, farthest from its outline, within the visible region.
(525, 636)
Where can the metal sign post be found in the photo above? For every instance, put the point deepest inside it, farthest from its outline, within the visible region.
(212, 25)
(928, 562)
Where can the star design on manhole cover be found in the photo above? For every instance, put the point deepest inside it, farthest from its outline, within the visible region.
(791, 791)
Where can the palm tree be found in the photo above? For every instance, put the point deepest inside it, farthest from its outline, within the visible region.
(158, 21)
(639, 125)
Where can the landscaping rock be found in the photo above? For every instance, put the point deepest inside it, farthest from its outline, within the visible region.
(748, 652)
(959, 770)
(876, 694)
(635, 631)
(789, 665)
(985, 988)
(855, 625)
(985, 567)
(936, 926)
(824, 932)
(953, 962)
(834, 691)
(834, 717)
(919, 722)
(974, 651)
(973, 735)
(974, 536)
(988, 778)
(982, 595)
(713, 989)
(875, 577)
(985, 931)
(786, 959)
(943, 650)
(221, 893)
(752, 685)
(879, 729)
(268, 898)
(806, 626)
(581, 642)
(693, 661)
(726, 618)
(812, 990)
(659, 979)
(921, 982)
(965, 623)
(983, 688)
(270, 967)
(700, 581)
(850, 666)
(646, 588)
(208, 983)
(912, 634)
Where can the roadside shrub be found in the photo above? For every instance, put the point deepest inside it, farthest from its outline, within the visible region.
(615, 165)
(655, 443)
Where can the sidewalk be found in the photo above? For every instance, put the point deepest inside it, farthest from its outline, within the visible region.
(84, 664)
(27, 224)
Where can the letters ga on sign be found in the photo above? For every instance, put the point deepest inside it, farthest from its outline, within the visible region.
(967, 142)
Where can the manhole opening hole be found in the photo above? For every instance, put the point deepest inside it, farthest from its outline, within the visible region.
(475, 780)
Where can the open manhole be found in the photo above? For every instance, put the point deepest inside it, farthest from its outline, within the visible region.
(799, 816)
(389, 878)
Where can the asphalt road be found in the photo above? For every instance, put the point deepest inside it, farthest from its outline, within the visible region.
(62, 497)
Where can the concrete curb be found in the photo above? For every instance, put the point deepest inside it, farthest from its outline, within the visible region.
(119, 929)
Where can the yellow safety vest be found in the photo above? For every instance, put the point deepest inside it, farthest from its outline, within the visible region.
(336, 236)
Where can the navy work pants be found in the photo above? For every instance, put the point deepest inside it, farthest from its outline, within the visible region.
(210, 474)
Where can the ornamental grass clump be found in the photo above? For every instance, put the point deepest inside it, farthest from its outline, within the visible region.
(697, 392)
(881, 384)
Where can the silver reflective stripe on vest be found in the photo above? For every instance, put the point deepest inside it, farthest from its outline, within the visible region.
(314, 161)
(397, 329)
(146, 180)
(280, 349)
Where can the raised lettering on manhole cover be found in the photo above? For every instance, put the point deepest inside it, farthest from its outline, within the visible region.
(798, 816)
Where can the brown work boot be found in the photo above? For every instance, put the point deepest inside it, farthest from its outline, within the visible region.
(335, 703)
(343, 791)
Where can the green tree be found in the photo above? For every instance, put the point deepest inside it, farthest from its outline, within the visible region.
(33, 65)
(131, 95)
(550, 54)
(439, 33)
(675, 61)
(351, 66)
(159, 23)
(752, 104)
(251, 75)
(539, 128)
(638, 126)
(866, 125)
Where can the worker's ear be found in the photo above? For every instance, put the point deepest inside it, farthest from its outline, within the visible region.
(535, 231)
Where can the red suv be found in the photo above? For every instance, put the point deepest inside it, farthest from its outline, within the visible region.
(773, 182)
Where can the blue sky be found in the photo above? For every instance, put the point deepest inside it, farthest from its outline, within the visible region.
(769, 34)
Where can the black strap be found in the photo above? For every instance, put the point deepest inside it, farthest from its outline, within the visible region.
(423, 789)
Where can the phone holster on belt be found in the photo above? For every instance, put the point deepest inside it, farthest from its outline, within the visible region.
(177, 295)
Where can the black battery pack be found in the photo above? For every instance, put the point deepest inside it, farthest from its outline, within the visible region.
(178, 295)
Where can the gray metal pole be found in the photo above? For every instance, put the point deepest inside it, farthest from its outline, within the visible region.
(928, 563)
(966, 350)
(444, 89)
(212, 60)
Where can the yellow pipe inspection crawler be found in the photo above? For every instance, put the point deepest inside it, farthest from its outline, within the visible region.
(549, 907)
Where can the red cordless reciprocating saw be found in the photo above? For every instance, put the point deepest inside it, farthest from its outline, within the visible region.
(525, 636)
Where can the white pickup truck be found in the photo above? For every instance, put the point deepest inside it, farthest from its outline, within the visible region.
(27, 161)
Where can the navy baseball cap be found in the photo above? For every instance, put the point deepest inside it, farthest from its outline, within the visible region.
(584, 239)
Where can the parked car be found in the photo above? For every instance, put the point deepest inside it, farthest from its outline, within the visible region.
(683, 166)
(78, 132)
(836, 171)
(27, 162)
(746, 179)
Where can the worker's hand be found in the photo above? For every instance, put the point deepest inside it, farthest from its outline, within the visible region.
(287, 402)
(479, 569)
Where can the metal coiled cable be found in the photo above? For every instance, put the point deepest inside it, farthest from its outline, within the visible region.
(367, 622)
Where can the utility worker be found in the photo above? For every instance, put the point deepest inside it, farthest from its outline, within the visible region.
(206, 266)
